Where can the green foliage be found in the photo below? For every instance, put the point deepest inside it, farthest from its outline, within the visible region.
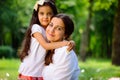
(14, 19)
(103, 4)
(6, 52)
(24, 11)
(103, 24)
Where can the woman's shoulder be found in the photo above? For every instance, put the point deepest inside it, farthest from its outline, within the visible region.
(64, 50)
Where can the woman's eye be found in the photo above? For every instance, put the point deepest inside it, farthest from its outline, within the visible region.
(59, 28)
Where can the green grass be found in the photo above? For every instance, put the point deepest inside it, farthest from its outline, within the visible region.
(92, 69)
(9, 69)
(98, 69)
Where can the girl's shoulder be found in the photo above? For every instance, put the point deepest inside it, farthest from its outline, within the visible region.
(37, 26)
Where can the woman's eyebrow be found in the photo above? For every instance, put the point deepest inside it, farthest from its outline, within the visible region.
(59, 26)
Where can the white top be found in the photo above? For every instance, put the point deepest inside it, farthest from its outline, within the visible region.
(64, 66)
(33, 64)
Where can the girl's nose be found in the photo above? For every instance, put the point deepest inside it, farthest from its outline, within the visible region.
(46, 16)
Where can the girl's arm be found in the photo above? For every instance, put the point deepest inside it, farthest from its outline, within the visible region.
(47, 45)
(71, 45)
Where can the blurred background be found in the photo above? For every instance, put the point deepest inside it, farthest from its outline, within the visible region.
(96, 34)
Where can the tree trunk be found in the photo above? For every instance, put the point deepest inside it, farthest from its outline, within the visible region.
(84, 47)
(116, 38)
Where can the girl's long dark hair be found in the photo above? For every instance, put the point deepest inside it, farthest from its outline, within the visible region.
(34, 20)
(69, 28)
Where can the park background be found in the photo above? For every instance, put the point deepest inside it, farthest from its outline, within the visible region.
(96, 34)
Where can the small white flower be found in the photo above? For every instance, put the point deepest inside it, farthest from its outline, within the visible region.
(7, 74)
(91, 78)
(82, 71)
(98, 70)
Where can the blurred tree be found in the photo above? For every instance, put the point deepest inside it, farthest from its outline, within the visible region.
(100, 44)
(103, 21)
(116, 38)
(85, 40)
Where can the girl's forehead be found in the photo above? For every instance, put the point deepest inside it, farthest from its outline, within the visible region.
(45, 8)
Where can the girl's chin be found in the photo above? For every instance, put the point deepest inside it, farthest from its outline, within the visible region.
(45, 25)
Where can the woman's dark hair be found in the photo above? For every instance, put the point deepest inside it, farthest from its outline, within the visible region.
(69, 28)
(34, 20)
(69, 25)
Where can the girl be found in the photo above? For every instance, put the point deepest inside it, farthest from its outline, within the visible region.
(35, 45)
(60, 65)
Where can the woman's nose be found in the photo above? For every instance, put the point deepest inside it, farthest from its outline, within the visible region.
(52, 29)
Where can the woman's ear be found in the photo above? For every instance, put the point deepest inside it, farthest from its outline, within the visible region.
(65, 37)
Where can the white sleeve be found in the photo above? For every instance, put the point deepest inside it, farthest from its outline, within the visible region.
(64, 66)
(36, 28)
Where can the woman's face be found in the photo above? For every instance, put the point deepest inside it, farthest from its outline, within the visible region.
(55, 31)
(44, 15)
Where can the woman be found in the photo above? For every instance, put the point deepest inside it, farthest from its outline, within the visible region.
(60, 64)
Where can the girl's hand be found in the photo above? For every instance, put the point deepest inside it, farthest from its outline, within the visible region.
(71, 45)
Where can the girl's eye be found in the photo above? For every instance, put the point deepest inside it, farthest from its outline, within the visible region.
(41, 13)
(49, 14)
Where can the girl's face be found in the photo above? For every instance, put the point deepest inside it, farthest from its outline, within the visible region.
(55, 31)
(44, 15)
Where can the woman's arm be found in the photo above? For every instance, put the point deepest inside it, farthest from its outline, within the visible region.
(47, 45)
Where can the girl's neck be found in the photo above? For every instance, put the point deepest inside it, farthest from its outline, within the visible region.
(44, 27)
